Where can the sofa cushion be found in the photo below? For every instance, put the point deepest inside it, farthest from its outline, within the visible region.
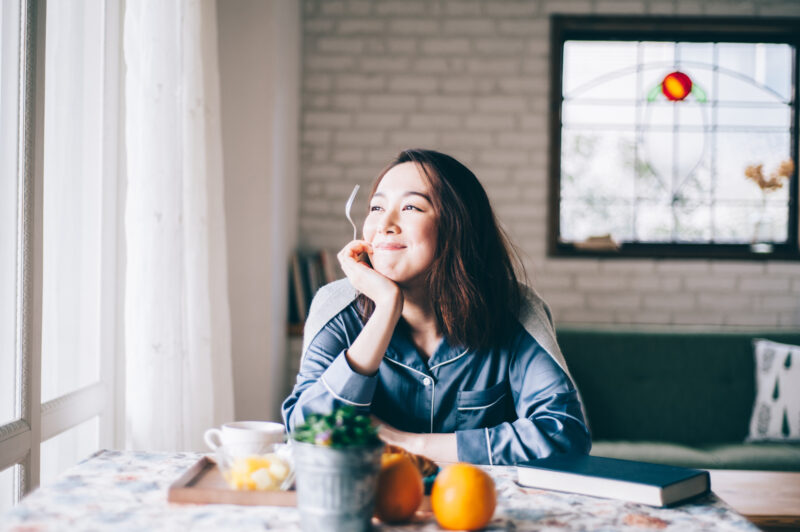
(655, 452)
(767, 456)
(755, 456)
(683, 387)
(776, 411)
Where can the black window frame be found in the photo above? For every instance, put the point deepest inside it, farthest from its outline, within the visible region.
(679, 29)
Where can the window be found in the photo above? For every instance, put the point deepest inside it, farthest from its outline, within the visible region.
(674, 137)
(9, 142)
(58, 236)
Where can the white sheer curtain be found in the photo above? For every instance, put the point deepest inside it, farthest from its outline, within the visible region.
(177, 324)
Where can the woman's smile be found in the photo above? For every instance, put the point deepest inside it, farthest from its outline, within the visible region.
(388, 246)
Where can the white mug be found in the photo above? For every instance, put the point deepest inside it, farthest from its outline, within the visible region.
(247, 436)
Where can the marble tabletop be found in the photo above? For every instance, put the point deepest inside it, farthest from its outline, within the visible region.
(127, 490)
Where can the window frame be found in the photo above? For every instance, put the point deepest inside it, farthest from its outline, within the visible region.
(683, 29)
(37, 421)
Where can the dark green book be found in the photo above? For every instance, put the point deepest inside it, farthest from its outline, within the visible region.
(640, 482)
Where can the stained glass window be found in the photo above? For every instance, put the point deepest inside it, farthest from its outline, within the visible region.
(677, 143)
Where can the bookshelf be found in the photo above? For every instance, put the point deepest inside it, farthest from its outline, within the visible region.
(309, 269)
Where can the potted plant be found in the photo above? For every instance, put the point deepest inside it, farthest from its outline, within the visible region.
(337, 459)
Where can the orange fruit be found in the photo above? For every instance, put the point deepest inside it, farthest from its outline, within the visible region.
(463, 497)
(400, 489)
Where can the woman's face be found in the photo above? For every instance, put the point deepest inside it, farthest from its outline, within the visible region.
(401, 225)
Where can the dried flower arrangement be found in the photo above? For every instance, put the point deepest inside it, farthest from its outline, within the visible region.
(775, 180)
(762, 232)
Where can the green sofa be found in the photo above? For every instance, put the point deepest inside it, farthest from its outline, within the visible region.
(673, 397)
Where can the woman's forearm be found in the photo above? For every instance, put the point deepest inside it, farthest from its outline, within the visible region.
(438, 447)
(442, 447)
(366, 352)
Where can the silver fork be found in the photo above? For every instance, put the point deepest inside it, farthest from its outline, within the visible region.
(347, 208)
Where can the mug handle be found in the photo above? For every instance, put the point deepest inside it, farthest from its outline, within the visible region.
(213, 438)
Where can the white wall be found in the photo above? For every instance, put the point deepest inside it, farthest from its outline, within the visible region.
(259, 44)
(470, 78)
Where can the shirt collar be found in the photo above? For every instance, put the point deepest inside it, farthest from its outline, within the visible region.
(445, 354)
(401, 349)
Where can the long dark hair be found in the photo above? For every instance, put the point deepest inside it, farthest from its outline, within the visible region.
(472, 281)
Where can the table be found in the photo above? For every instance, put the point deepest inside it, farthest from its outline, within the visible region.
(127, 490)
(770, 499)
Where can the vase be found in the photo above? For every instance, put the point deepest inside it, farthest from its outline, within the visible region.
(336, 487)
(762, 232)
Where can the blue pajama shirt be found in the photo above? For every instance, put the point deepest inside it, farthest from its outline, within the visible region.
(505, 405)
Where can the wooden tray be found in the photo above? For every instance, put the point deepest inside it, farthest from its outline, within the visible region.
(203, 484)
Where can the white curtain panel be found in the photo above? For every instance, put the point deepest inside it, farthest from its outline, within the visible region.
(177, 321)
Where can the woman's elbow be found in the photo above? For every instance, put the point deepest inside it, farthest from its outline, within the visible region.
(290, 412)
(575, 439)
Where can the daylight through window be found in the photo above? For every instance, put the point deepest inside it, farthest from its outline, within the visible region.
(677, 143)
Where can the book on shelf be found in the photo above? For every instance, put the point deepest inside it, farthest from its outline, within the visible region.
(313, 274)
(640, 482)
(330, 266)
(294, 312)
(299, 286)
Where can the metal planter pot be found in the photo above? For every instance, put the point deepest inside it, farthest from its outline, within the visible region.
(336, 487)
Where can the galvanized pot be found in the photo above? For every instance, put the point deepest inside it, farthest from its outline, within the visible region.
(336, 487)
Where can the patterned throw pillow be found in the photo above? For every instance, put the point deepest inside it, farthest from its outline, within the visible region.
(776, 412)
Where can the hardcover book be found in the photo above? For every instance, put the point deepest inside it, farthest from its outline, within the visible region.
(640, 482)
(300, 289)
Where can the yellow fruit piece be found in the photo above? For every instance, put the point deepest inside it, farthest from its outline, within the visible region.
(463, 497)
(400, 489)
(257, 472)
(279, 470)
(240, 479)
(263, 480)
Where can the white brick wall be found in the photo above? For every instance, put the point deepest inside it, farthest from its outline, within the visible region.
(470, 78)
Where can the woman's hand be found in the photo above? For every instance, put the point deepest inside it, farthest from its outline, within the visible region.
(440, 447)
(376, 286)
(409, 441)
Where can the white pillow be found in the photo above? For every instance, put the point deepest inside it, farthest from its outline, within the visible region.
(776, 411)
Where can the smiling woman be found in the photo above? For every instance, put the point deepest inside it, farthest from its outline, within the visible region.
(434, 336)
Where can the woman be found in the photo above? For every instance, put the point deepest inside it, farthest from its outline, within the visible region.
(434, 336)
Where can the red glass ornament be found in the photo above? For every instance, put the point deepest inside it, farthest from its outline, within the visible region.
(676, 86)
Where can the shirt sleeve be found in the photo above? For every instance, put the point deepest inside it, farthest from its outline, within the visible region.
(548, 409)
(326, 380)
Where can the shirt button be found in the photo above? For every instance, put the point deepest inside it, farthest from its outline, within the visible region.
(426, 381)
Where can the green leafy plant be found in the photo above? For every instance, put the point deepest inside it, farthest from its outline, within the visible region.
(343, 427)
